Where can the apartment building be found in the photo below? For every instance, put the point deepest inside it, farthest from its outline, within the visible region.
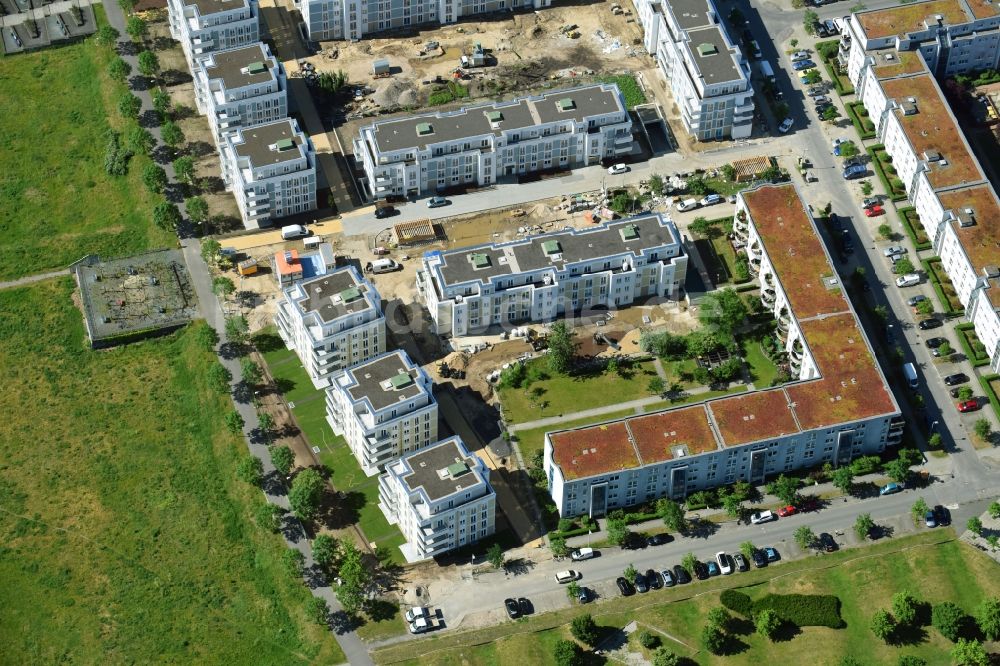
(271, 170)
(332, 322)
(353, 19)
(892, 57)
(204, 26)
(541, 277)
(707, 73)
(289, 266)
(441, 498)
(839, 407)
(240, 87)
(384, 408)
(480, 144)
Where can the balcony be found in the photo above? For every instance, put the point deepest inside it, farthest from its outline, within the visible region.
(768, 297)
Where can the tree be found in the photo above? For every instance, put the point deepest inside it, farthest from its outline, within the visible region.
(864, 525)
(250, 371)
(236, 329)
(171, 134)
(116, 156)
(234, 422)
(767, 622)
(866, 188)
(885, 231)
(557, 544)
(925, 307)
(671, 513)
(917, 512)
(567, 653)
(306, 493)
(965, 393)
(617, 531)
(266, 423)
(250, 470)
(934, 441)
(969, 653)
(318, 610)
(127, 6)
(282, 458)
(898, 470)
(269, 516)
(324, 550)
(219, 377)
(664, 657)
(223, 286)
(293, 560)
(630, 572)
(129, 105)
(843, 479)
(733, 506)
(809, 19)
(723, 310)
(332, 82)
(983, 429)
(184, 169)
(697, 185)
(138, 140)
(713, 639)
(848, 149)
(905, 607)
(161, 102)
(154, 177)
(748, 549)
(688, 562)
(562, 348)
(830, 113)
(657, 386)
(975, 526)
(585, 630)
(197, 209)
(648, 640)
(656, 185)
(355, 578)
(495, 556)
(149, 63)
(166, 216)
(136, 28)
(728, 172)
(719, 617)
(210, 250)
(903, 266)
(949, 619)
(107, 35)
(945, 350)
(119, 70)
(805, 537)
(988, 618)
(573, 591)
(207, 337)
(883, 624)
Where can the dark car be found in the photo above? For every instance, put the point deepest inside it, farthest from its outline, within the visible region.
(634, 541)
(803, 64)
(584, 595)
(713, 568)
(659, 539)
(943, 515)
(383, 212)
(934, 343)
(624, 586)
(681, 574)
(653, 579)
(855, 171)
(700, 571)
(741, 562)
(928, 324)
(513, 610)
(758, 558)
(835, 222)
(640, 582)
(955, 379)
(771, 554)
(827, 543)
(524, 605)
(913, 300)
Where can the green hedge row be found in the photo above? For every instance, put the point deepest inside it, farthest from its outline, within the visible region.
(977, 359)
(990, 393)
(803, 610)
(896, 191)
(914, 232)
(936, 283)
(737, 601)
(854, 110)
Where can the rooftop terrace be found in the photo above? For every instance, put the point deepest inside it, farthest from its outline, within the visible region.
(905, 19)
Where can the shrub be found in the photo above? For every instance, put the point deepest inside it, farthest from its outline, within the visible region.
(737, 601)
(584, 629)
(648, 640)
(767, 623)
(949, 619)
(803, 610)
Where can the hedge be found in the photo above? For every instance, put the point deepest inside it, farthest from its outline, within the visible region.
(938, 287)
(976, 359)
(737, 601)
(914, 232)
(803, 610)
(990, 393)
(897, 193)
(860, 120)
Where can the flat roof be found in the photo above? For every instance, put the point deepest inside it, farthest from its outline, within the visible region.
(206, 7)
(290, 265)
(904, 19)
(332, 296)
(242, 66)
(933, 128)
(981, 241)
(795, 251)
(983, 8)
(385, 381)
(594, 450)
(267, 144)
(712, 55)
(431, 469)
(752, 417)
(900, 63)
(672, 434)
(688, 13)
(471, 122)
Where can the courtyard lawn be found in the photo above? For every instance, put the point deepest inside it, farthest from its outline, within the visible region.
(57, 204)
(125, 534)
(763, 371)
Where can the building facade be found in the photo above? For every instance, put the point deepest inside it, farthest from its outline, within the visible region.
(838, 407)
(332, 322)
(204, 26)
(478, 145)
(384, 408)
(707, 73)
(540, 278)
(240, 87)
(441, 498)
(271, 170)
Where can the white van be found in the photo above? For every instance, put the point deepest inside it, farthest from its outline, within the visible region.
(293, 231)
(382, 266)
(312, 242)
(687, 204)
(908, 280)
(910, 371)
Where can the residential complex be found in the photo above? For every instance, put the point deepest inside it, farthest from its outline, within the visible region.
(203, 26)
(892, 58)
(384, 408)
(840, 406)
(271, 170)
(707, 73)
(542, 277)
(240, 87)
(332, 322)
(480, 144)
(440, 497)
(354, 19)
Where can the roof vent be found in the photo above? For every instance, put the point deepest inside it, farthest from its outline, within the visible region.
(991, 271)
(932, 155)
(400, 381)
(889, 57)
(909, 107)
(551, 247)
(350, 294)
(706, 49)
(494, 117)
(566, 104)
(456, 470)
(966, 218)
(480, 260)
(284, 144)
(629, 232)
(256, 68)
(423, 129)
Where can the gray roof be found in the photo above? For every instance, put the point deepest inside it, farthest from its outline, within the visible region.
(228, 66)
(471, 122)
(718, 67)
(427, 465)
(206, 7)
(575, 245)
(375, 380)
(688, 13)
(258, 141)
(332, 296)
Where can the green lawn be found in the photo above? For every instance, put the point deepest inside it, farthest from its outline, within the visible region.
(693, 398)
(930, 564)
(57, 204)
(763, 371)
(859, 116)
(126, 537)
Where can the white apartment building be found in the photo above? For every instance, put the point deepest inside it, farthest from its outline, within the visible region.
(332, 322)
(539, 278)
(892, 61)
(384, 408)
(240, 87)
(441, 498)
(203, 26)
(271, 170)
(707, 72)
(354, 19)
(480, 144)
(838, 408)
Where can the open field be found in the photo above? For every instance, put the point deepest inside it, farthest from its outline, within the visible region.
(56, 201)
(126, 535)
(931, 565)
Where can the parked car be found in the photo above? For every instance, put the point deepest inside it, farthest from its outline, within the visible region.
(762, 517)
(382, 212)
(799, 56)
(437, 202)
(803, 65)
(681, 574)
(896, 250)
(624, 586)
(653, 580)
(582, 554)
(584, 595)
(827, 543)
(741, 562)
(874, 211)
(786, 125)
(659, 539)
(771, 554)
(513, 611)
(871, 201)
(758, 558)
(855, 171)
(725, 564)
(943, 515)
(524, 605)
(700, 570)
(712, 199)
(567, 576)
(822, 106)
(913, 300)
(930, 518)
(891, 489)
(787, 511)
(713, 568)
(956, 379)
(928, 324)
(968, 406)
(616, 169)
(815, 91)
(668, 578)
(822, 99)
(934, 343)
(640, 583)
(417, 612)
(908, 280)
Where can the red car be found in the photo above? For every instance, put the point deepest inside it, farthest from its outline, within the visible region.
(874, 211)
(786, 511)
(968, 405)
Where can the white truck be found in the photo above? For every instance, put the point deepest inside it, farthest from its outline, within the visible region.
(767, 71)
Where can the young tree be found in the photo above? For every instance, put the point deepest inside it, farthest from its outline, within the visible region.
(809, 19)
(688, 562)
(325, 551)
(617, 530)
(724, 311)
(671, 513)
(171, 134)
(983, 429)
(904, 607)
(657, 386)
(969, 653)
(898, 470)
(848, 149)
(306, 493)
(733, 506)
(154, 177)
(223, 286)
(656, 185)
(282, 458)
(785, 488)
(184, 169)
(573, 591)
(567, 653)
(903, 266)
(562, 348)
(664, 657)
(804, 537)
(585, 630)
(166, 216)
(748, 549)
(236, 329)
(129, 105)
(197, 209)
(149, 63)
(138, 140)
(219, 377)
(250, 371)
(119, 70)
(161, 102)
(975, 526)
(949, 619)
(934, 441)
(210, 250)
(885, 231)
(293, 561)
(866, 188)
(266, 424)
(843, 479)
(830, 113)
(883, 625)
(925, 307)
(250, 470)
(355, 579)
(713, 639)
(234, 422)
(988, 618)
(269, 516)
(767, 622)
(136, 28)
(557, 544)
(495, 556)
(107, 35)
(864, 525)
(917, 512)
(207, 337)
(719, 617)
(630, 572)
(318, 610)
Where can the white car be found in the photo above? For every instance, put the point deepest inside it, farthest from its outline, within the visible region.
(567, 576)
(417, 613)
(617, 169)
(725, 564)
(800, 55)
(762, 517)
(786, 125)
(712, 199)
(908, 280)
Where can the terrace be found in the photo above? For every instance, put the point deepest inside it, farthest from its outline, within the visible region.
(658, 436)
(909, 18)
(933, 129)
(753, 417)
(981, 241)
(595, 450)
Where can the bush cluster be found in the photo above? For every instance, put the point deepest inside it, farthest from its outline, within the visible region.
(803, 610)
(737, 601)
